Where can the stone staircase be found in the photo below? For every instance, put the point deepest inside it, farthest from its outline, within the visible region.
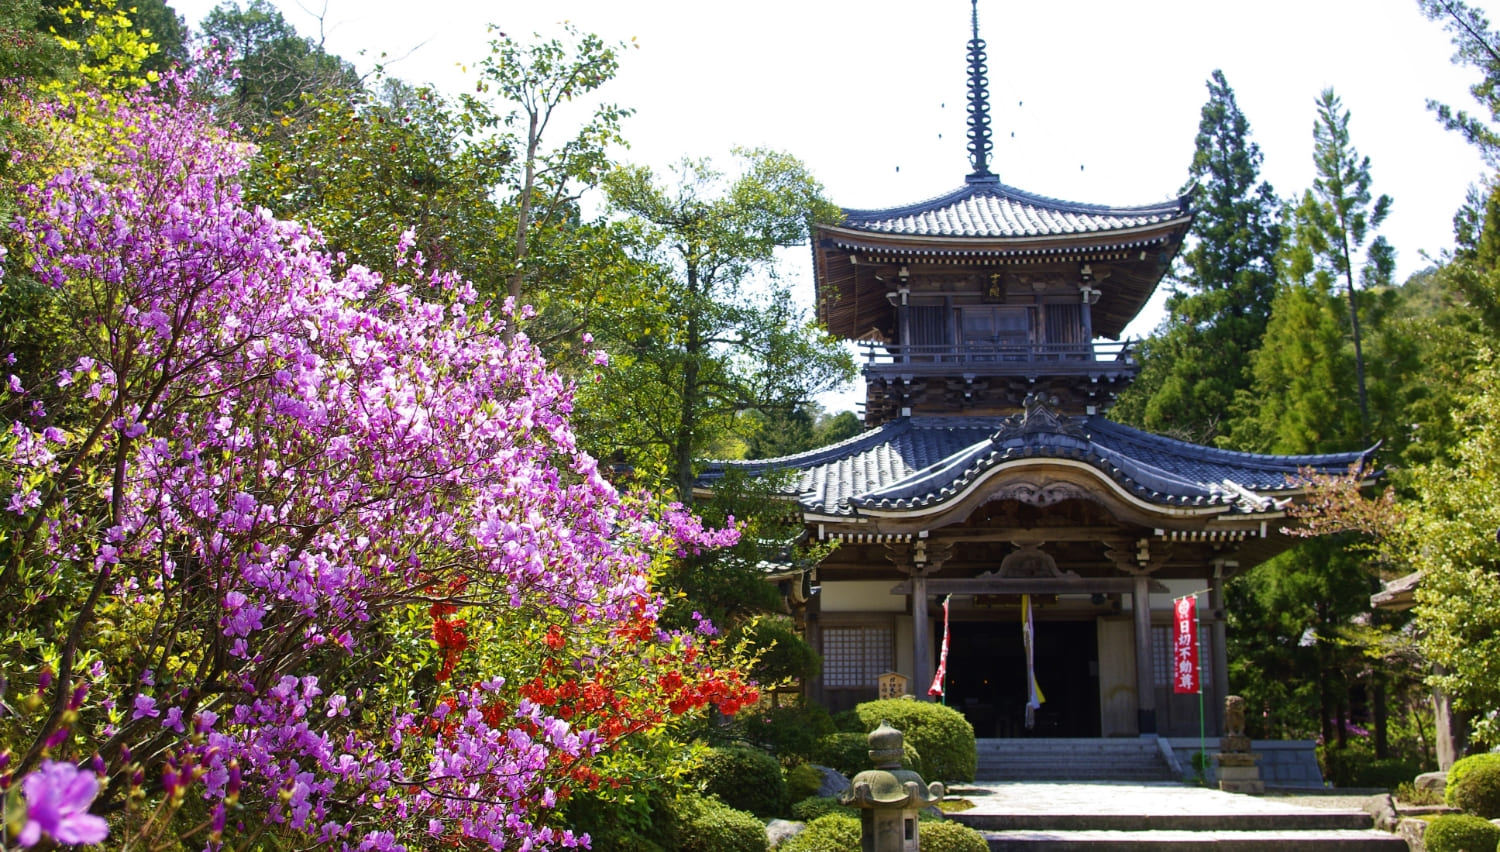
(1041, 759)
(1130, 817)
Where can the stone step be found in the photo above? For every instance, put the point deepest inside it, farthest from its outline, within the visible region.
(1077, 774)
(1193, 841)
(1308, 820)
(1071, 759)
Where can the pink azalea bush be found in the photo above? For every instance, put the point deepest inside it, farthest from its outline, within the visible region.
(235, 523)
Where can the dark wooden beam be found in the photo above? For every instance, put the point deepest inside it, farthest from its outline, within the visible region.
(1028, 586)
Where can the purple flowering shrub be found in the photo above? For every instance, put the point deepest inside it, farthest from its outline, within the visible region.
(278, 479)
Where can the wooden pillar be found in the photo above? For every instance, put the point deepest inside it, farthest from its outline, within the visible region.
(921, 631)
(1145, 668)
(920, 560)
(1221, 650)
(814, 634)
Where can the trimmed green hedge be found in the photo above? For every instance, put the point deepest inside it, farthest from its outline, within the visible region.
(1477, 790)
(941, 734)
(1461, 833)
(839, 832)
(831, 833)
(812, 807)
(705, 824)
(746, 779)
(1475, 762)
(942, 836)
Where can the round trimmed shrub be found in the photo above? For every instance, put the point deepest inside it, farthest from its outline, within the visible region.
(706, 824)
(850, 753)
(814, 807)
(831, 833)
(1461, 833)
(941, 836)
(746, 779)
(941, 734)
(1462, 768)
(1477, 791)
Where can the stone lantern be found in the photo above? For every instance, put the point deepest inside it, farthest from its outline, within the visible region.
(889, 797)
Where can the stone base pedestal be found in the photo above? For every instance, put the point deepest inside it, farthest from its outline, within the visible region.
(1234, 744)
(1238, 773)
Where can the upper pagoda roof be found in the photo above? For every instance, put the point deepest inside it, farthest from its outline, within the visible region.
(986, 224)
(986, 208)
(914, 464)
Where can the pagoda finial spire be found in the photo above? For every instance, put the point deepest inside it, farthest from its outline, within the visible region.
(980, 143)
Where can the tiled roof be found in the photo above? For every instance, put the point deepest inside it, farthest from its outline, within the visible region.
(988, 208)
(916, 462)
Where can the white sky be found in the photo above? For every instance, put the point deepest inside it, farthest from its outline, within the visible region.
(1093, 101)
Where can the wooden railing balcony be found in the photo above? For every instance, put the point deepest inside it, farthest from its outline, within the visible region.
(998, 358)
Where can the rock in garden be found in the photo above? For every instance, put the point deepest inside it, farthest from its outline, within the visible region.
(779, 830)
(834, 782)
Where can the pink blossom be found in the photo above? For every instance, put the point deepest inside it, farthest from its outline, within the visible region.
(58, 796)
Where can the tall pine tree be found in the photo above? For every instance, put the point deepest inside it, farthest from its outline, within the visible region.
(1223, 285)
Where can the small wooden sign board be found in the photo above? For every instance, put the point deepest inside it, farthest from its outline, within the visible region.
(891, 685)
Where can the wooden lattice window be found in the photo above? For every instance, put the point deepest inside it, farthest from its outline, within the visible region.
(856, 656)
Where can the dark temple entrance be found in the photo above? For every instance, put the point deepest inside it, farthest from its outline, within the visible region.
(987, 677)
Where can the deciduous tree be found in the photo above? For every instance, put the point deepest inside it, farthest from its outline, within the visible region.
(713, 332)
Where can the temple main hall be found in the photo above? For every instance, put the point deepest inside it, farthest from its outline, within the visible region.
(990, 474)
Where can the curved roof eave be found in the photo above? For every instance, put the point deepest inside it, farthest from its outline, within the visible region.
(949, 500)
(1133, 236)
(1176, 206)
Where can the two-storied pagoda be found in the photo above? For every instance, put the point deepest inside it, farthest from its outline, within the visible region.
(989, 472)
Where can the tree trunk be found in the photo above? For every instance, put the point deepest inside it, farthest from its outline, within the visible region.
(1382, 715)
(523, 219)
(687, 422)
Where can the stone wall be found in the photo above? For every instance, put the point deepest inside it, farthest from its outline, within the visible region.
(1283, 763)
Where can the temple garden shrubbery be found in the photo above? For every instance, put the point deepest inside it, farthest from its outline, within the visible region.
(745, 778)
(705, 824)
(813, 807)
(951, 837)
(1356, 765)
(1461, 833)
(792, 733)
(833, 832)
(940, 734)
(1474, 785)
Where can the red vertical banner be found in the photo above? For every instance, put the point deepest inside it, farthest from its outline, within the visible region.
(1185, 645)
(938, 688)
